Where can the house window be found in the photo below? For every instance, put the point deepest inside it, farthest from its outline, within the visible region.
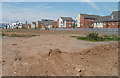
(112, 17)
(108, 23)
(81, 24)
(112, 23)
(104, 23)
(61, 22)
(95, 23)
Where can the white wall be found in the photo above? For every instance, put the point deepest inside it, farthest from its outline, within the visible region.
(32, 25)
(78, 20)
(13, 25)
(98, 25)
(59, 21)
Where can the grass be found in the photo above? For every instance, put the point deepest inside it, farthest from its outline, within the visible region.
(18, 35)
(106, 39)
(95, 37)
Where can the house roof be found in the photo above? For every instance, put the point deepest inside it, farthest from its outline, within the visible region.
(115, 16)
(47, 20)
(90, 16)
(67, 18)
(103, 18)
(40, 22)
(25, 25)
(34, 22)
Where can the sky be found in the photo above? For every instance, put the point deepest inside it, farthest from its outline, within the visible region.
(34, 11)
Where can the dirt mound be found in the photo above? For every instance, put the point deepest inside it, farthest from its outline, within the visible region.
(54, 52)
(97, 61)
(98, 50)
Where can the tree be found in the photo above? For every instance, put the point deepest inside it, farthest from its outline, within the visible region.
(89, 25)
(73, 25)
(118, 24)
(107, 25)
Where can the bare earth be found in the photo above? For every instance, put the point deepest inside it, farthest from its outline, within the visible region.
(58, 55)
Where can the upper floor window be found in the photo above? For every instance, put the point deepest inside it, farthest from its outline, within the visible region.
(112, 17)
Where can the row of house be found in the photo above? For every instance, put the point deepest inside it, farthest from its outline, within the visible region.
(96, 21)
(44, 23)
(12, 25)
(81, 21)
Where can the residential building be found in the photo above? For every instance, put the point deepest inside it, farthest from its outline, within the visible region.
(26, 26)
(65, 22)
(110, 21)
(13, 25)
(44, 23)
(47, 23)
(33, 25)
(55, 24)
(86, 20)
(39, 24)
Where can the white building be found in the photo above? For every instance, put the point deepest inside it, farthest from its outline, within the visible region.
(13, 25)
(77, 20)
(65, 22)
(33, 25)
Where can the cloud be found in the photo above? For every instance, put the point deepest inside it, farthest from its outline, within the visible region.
(14, 13)
(92, 4)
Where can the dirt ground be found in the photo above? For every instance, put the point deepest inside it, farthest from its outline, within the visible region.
(58, 54)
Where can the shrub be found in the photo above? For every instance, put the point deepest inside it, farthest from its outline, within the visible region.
(18, 35)
(46, 28)
(93, 35)
(118, 24)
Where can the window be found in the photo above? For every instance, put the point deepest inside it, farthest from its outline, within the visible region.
(81, 24)
(112, 23)
(108, 23)
(104, 23)
(112, 17)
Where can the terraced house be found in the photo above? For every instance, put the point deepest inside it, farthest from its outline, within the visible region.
(96, 21)
(65, 22)
(86, 20)
(110, 21)
(43, 23)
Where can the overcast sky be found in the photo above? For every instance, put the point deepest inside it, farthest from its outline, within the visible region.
(34, 11)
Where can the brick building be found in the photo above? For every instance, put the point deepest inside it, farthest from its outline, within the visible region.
(55, 24)
(86, 20)
(110, 21)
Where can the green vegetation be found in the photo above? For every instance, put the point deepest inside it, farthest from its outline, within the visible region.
(89, 25)
(18, 35)
(95, 37)
(118, 24)
(107, 25)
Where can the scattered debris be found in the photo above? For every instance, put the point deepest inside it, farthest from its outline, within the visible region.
(14, 44)
(18, 59)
